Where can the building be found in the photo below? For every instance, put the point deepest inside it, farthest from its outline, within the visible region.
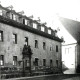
(26, 43)
(71, 46)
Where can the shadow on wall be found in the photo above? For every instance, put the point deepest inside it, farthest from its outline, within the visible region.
(64, 68)
(78, 69)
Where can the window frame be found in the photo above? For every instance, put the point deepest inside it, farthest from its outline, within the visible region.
(57, 63)
(44, 45)
(51, 62)
(49, 31)
(36, 43)
(44, 62)
(26, 22)
(1, 36)
(26, 40)
(57, 48)
(23, 21)
(36, 61)
(35, 25)
(14, 60)
(1, 60)
(43, 28)
(13, 16)
(1, 12)
(14, 38)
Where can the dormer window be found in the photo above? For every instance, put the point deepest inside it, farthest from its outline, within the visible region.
(8, 14)
(42, 28)
(49, 31)
(35, 25)
(13, 17)
(1, 12)
(26, 22)
(29, 23)
(23, 21)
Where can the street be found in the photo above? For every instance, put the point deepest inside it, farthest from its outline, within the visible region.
(73, 78)
(50, 77)
(57, 78)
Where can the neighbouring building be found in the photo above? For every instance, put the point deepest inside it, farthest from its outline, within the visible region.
(26, 43)
(70, 30)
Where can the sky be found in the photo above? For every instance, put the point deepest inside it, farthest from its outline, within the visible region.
(47, 10)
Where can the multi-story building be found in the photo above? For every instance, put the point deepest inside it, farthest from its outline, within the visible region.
(25, 42)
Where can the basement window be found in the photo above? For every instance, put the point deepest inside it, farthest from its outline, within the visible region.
(36, 61)
(1, 60)
(51, 63)
(14, 60)
(44, 62)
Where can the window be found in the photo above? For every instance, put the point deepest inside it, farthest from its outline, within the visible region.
(50, 48)
(14, 37)
(1, 12)
(36, 44)
(14, 60)
(49, 31)
(44, 45)
(67, 50)
(26, 40)
(13, 17)
(51, 64)
(8, 14)
(36, 61)
(29, 23)
(42, 28)
(23, 21)
(56, 48)
(35, 25)
(1, 35)
(1, 59)
(44, 62)
(27, 63)
(26, 22)
(57, 63)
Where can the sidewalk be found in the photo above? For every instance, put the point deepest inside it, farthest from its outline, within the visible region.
(69, 71)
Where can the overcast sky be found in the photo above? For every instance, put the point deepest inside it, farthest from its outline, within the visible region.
(46, 9)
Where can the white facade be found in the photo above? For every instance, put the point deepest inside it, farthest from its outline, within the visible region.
(68, 47)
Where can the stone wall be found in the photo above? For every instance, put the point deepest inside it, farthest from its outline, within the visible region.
(8, 49)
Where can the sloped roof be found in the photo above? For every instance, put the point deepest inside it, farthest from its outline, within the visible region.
(72, 26)
(27, 28)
